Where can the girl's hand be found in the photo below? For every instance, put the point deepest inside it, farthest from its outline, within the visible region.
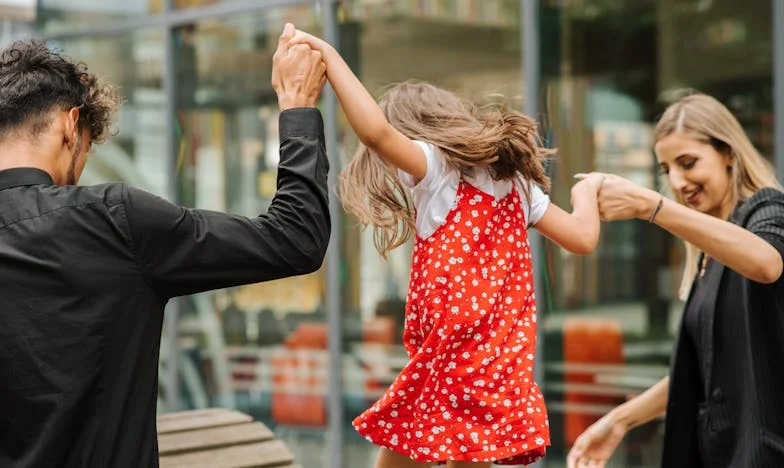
(589, 185)
(315, 43)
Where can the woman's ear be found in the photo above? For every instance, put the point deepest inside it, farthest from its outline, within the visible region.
(729, 159)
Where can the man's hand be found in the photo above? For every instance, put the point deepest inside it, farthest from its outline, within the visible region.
(298, 73)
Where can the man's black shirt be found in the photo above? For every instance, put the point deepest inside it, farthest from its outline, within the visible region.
(85, 273)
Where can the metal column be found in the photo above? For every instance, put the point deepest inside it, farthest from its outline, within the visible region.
(334, 433)
(778, 85)
(531, 78)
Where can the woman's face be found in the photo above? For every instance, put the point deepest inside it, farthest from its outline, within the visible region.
(698, 175)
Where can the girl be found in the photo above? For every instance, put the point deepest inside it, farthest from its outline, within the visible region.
(467, 396)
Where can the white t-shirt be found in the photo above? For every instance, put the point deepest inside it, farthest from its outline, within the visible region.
(434, 196)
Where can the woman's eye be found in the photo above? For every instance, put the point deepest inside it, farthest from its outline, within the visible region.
(689, 164)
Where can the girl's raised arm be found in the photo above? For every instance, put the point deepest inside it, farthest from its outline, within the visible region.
(363, 113)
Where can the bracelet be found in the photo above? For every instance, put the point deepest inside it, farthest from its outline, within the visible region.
(656, 210)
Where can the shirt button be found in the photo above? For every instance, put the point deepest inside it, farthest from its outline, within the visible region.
(717, 395)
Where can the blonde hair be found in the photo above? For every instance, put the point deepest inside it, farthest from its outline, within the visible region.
(706, 119)
(504, 141)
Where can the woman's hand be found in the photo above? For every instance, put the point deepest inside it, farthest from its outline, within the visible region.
(621, 199)
(594, 447)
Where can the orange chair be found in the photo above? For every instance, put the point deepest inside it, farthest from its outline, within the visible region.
(380, 330)
(299, 377)
(588, 341)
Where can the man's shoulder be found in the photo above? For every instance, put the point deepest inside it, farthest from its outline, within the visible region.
(132, 201)
(110, 193)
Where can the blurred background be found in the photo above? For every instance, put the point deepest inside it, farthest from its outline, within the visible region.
(306, 355)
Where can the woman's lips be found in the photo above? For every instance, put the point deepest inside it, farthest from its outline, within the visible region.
(692, 198)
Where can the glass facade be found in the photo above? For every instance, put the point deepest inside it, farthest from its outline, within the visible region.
(608, 71)
(200, 127)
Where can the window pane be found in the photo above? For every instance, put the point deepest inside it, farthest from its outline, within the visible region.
(55, 16)
(185, 4)
(133, 62)
(259, 348)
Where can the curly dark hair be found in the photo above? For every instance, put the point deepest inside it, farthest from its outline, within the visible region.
(34, 81)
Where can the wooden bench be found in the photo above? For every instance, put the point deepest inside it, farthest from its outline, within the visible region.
(219, 438)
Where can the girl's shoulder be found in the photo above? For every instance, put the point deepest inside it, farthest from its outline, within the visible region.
(437, 169)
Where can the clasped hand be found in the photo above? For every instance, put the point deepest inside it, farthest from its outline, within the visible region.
(298, 72)
(620, 198)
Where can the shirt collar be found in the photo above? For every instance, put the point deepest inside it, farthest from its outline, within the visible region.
(19, 176)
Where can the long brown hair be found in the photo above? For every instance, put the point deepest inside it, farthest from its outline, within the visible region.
(504, 141)
(706, 119)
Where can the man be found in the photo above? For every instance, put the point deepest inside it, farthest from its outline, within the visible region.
(85, 272)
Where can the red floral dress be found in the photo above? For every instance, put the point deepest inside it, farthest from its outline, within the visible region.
(467, 392)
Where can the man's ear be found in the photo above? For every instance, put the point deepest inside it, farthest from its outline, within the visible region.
(72, 126)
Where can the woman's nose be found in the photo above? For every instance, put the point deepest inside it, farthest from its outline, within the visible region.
(677, 181)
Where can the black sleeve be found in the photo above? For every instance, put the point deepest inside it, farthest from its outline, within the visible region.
(766, 219)
(184, 251)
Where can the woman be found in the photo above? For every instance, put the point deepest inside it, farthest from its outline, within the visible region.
(724, 397)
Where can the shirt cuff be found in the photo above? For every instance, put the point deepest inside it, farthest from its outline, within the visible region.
(301, 122)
